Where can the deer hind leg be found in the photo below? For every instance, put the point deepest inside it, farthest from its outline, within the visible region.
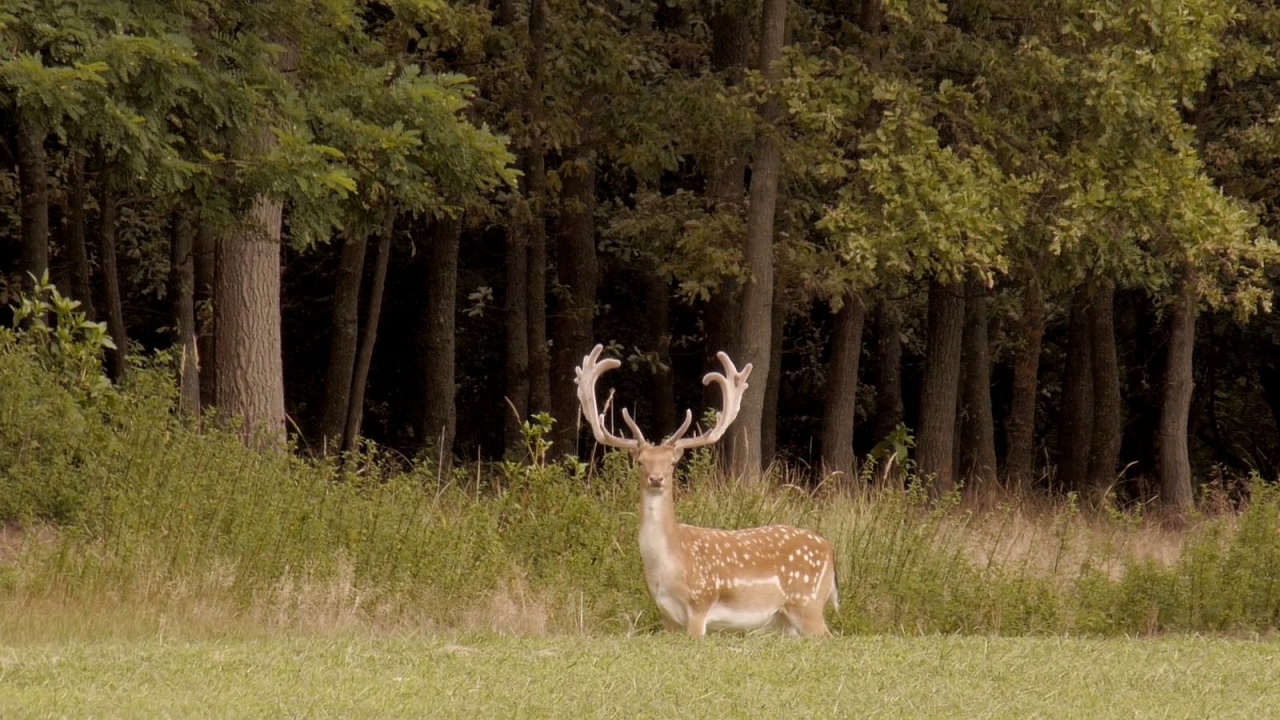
(807, 619)
(696, 623)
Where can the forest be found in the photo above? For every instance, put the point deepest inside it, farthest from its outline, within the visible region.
(1009, 244)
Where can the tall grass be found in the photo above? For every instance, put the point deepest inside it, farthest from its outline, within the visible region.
(116, 508)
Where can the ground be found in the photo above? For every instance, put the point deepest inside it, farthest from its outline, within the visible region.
(665, 675)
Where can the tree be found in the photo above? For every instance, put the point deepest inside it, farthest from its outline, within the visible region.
(344, 331)
(439, 354)
(1020, 442)
(250, 379)
(1174, 459)
(182, 274)
(758, 292)
(577, 271)
(1075, 414)
(977, 423)
(940, 388)
(839, 408)
(33, 179)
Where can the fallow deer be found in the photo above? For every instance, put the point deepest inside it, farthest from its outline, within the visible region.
(704, 578)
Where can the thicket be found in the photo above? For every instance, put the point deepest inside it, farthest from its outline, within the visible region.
(112, 499)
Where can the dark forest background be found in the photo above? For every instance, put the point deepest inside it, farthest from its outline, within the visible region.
(1032, 240)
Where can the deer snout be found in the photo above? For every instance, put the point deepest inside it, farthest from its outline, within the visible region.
(655, 481)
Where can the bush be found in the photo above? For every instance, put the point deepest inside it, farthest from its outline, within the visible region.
(152, 512)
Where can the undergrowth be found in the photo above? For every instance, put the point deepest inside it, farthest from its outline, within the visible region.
(111, 501)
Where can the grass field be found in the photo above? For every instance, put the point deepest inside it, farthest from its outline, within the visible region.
(645, 676)
(151, 567)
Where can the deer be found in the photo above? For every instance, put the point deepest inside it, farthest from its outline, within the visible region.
(776, 576)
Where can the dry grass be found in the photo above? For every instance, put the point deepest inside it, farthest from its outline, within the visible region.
(1056, 543)
(908, 566)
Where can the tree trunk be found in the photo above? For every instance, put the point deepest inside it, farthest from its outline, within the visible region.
(772, 389)
(1174, 457)
(344, 331)
(890, 408)
(940, 388)
(657, 305)
(1075, 414)
(205, 256)
(977, 425)
(721, 324)
(111, 285)
(730, 53)
(536, 191)
(839, 409)
(364, 359)
(1104, 444)
(1269, 377)
(440, 411)
(81, 289)
(577, 272)
(517, 324)
(758, 292)
(33, 183)
(250, 372)
(182, 284)
(539, 352)
(504, 12)
(1019, 463)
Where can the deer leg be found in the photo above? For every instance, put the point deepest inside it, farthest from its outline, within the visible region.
(696, 624)
(808, 620)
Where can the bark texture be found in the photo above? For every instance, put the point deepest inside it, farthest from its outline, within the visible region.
(536, 192)
(839, 410)
(977, 424)
(440, 410)
(116, 359)
(726, 189)
(77, 196)
(662, 393)
(205, 256)
(578, 273)
(33, 210)
(364, 358)
(1075, 413)
(757, 294)
(344, 332)
(1019, 464)
(773, 388)
(1108, 415)
(890, 408)
(182, 281)
(1176, 493)
(250, 373)
(935, 443)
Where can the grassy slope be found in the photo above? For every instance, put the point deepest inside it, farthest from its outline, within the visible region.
(646, 676)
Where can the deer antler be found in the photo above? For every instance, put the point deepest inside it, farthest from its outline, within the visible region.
(733, 383)
(587, 374)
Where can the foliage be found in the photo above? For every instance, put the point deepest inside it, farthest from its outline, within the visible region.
(57, 406)
(154, 512)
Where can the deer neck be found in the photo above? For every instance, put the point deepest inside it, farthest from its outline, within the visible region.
(659, 533)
